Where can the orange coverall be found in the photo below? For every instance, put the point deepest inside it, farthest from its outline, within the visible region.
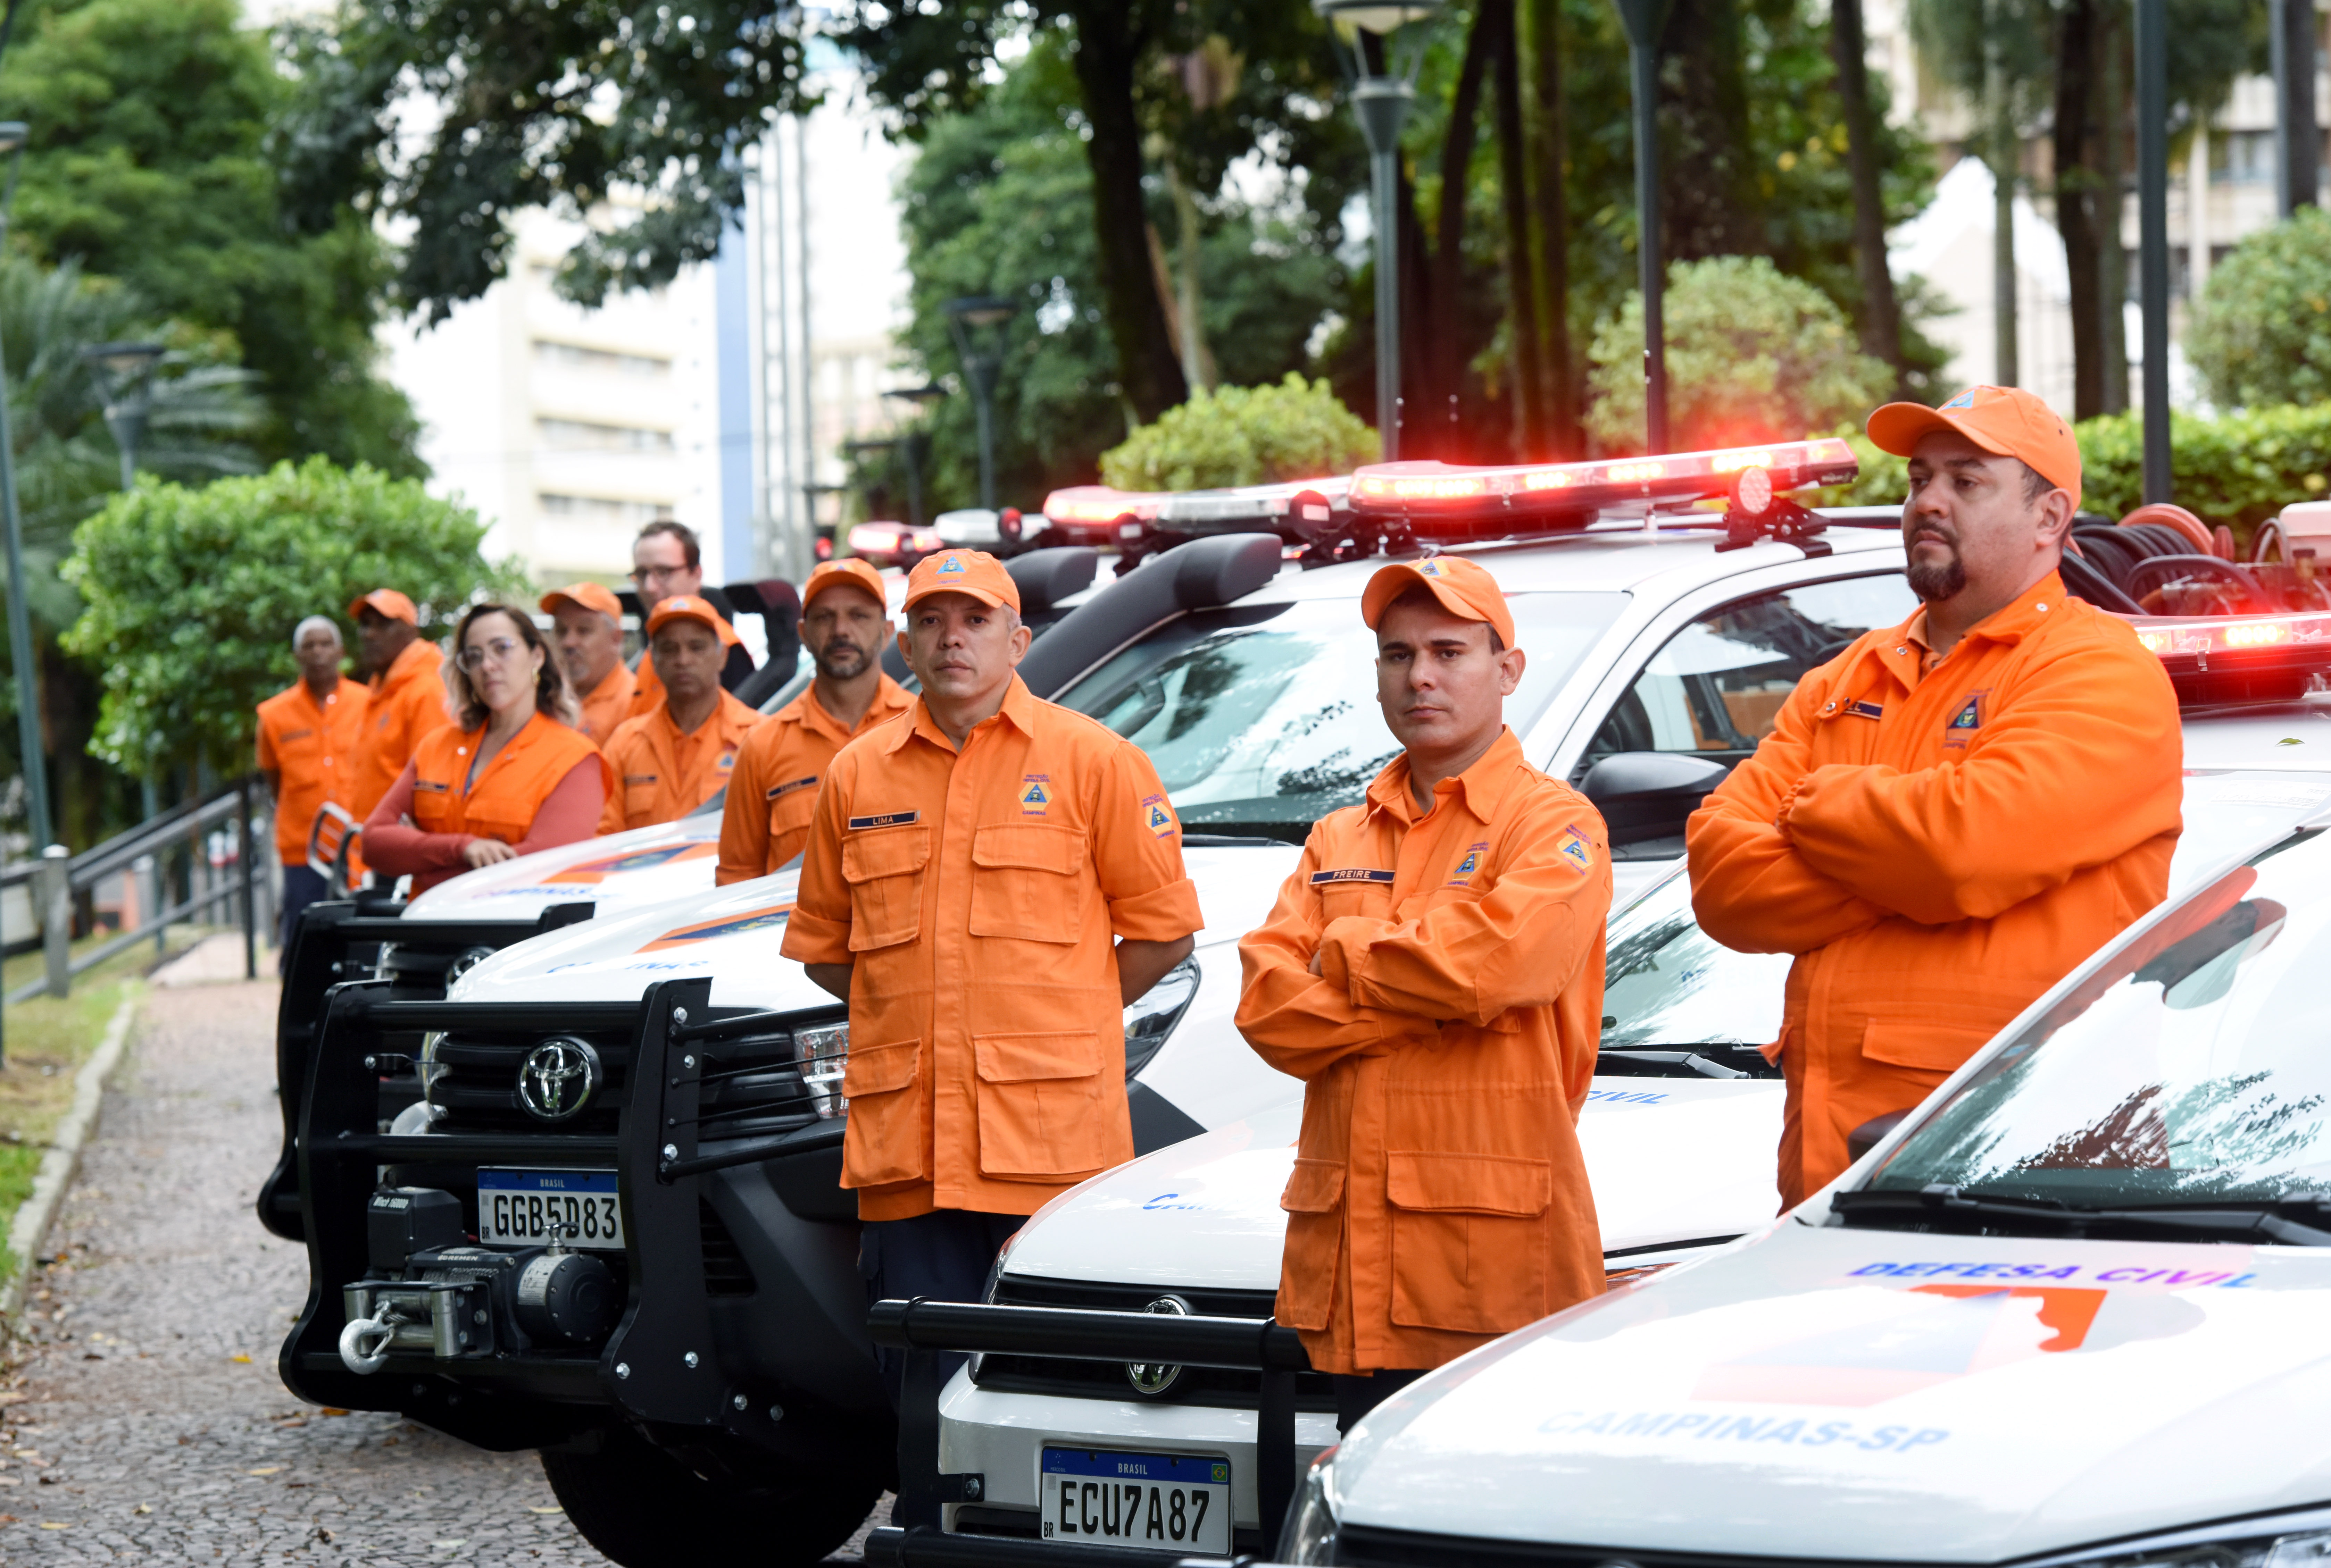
(608, 704)
(313, 748)
(978, 897)
(1948, 845)
(661, 774)
(773, 790)
(407, 702)
(1439, 1198)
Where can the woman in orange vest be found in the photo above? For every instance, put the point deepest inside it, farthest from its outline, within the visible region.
(511, 776)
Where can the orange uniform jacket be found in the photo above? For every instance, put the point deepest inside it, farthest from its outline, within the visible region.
(1438, 1197)
(407, 703)
(501, 800)
(977, 895)
(1948, 846)
(314, 749)
(661, 774)
(774, 787)
(608, 704)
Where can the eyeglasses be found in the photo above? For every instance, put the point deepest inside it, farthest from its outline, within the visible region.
(500, 649)
(657, 573)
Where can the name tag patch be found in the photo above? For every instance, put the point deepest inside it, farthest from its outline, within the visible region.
(1350, 874)
(775, 791)
(1866, 709)
(638, 780)
(886, 820)
(428, 786)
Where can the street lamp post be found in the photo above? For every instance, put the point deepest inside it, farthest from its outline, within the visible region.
(1380, 103)
(917, 443)
(1644, 19)
(12, 136)
(976, 324)
(126, 375)
(2153, 234)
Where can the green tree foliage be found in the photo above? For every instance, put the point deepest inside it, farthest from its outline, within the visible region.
(191, 594)
(1753, 355)
(998, 201)
(2262, 331)
(2237, 469)
(1243, 435)
(148, 162)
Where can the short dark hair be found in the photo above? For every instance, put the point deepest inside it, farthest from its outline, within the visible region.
(2035, 484)
(678, 530)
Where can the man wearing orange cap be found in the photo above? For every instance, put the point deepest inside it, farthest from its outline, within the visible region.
(407, 699)
(1953, 811)
(587, 623)
(670, 761)
(308, 736)
(668, 562)
(846, 621)
(1433, 972)
(989, 881)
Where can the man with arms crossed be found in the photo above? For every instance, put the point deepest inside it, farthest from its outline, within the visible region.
(844, 624)
(1953, 811)
(1433, 972)
(989, 881)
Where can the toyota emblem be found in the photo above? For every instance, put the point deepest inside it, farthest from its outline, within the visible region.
(1153, 1378)
(558, 1079)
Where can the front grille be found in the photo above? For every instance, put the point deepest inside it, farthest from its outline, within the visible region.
(752, 1085)
(726, 1272)
(1217, 1387)
(1365, 1547)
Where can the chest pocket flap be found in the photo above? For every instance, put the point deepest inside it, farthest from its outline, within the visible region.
(884, 868)
(1469, 1183)
(1026, 882)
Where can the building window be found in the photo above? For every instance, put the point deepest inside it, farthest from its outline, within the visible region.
(604, 509)
(575, 357)
(2241, 157)
(585, 435)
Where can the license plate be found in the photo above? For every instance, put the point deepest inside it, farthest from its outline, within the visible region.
(528, 1207)
(1164, 1502)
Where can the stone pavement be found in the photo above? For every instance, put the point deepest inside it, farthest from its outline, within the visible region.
(146, 1420)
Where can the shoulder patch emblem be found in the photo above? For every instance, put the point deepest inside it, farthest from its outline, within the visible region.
(1969, 717)
(1462, 877)
(1036, 796)
(1576, 848)
(1158, 817)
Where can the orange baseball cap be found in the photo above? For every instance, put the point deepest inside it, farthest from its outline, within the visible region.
(388, 602)
(586, 596)
(688, 607)
(1464, 588)
(2005, 420)
(973, 572)
(850, 570)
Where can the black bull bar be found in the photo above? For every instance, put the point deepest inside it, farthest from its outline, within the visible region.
(927, 1329)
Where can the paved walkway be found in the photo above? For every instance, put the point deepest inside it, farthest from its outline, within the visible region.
(147, 1421)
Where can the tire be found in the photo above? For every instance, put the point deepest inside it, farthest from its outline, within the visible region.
(643, 1508)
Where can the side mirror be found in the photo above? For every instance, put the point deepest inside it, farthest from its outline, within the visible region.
(1646, 794)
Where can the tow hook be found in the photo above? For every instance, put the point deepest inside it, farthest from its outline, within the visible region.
(353, 1353)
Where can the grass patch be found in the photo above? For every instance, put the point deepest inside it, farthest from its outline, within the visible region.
(46, 1041)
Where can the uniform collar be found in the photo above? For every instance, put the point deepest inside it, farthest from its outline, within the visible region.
(608, 682)
(889, 697)
(409, 664)
(1019, 708)
(1903, 651)
(1482, 787)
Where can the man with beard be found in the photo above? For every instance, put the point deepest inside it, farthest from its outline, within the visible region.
(844, 623)
(1953, 813)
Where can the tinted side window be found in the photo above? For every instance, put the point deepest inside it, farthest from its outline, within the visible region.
(1717, 687)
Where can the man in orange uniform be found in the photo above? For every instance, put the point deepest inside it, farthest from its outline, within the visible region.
(844, 622)
(1433, 972)
(588, 623)
(407, 699)
(307, 752)
(989, 881)
(671, 761)
(1953, 811)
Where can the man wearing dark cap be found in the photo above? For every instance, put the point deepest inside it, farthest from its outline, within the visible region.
(1953, 811)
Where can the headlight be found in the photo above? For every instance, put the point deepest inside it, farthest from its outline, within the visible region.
(1310, 1532)
(823, 1054)
(1153, 1014)
(2243, 1546)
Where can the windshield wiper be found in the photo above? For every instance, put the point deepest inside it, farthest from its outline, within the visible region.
(1939, 1199)
(1671, 1057)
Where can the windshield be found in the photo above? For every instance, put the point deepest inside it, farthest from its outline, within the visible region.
(1261, 718)
(2191, 1065)
(1669, 986)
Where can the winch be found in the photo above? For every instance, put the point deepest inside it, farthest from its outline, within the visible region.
(435, 1292)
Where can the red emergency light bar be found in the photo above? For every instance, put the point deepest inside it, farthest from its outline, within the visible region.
(1092, 505)
(2239, 658)
(1422, 492)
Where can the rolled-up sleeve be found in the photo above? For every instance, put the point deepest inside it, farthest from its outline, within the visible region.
(818, 931)
(1137, 853)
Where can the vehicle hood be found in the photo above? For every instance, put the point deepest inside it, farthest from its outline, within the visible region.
(643, 866)
(732, 934)
(1820, 1392)
(1665, 1156)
